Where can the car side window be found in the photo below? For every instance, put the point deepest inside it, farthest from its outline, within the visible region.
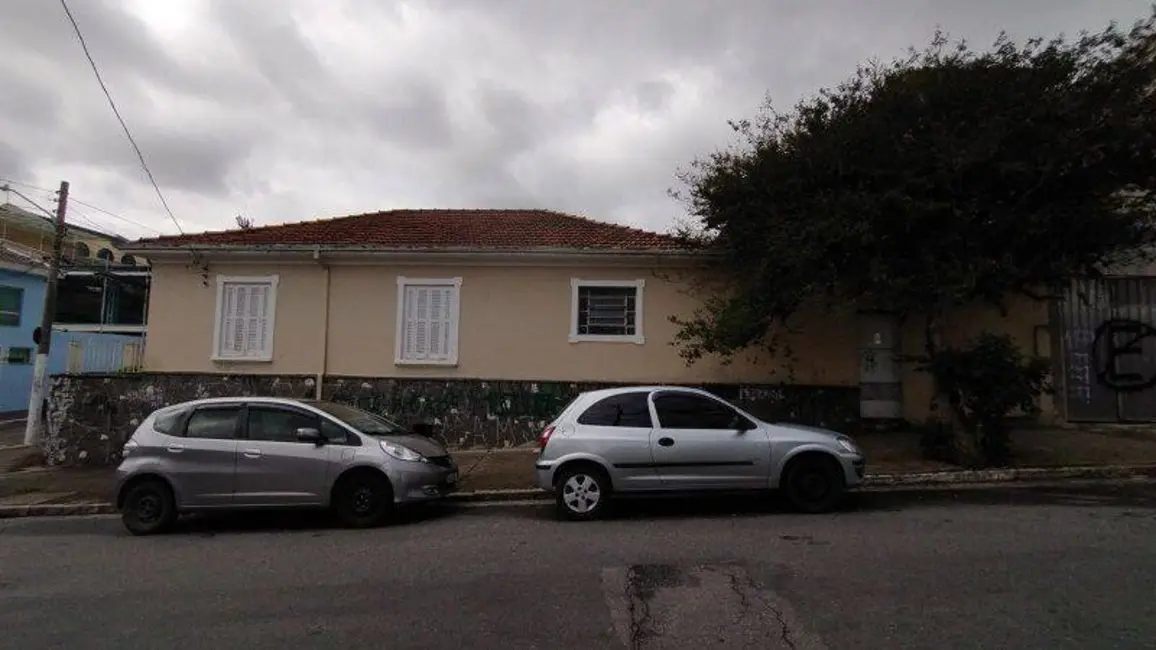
(334, 433)
(690, 411)
(213, 423)
(166, 423)
(622, 410)
(273, 424)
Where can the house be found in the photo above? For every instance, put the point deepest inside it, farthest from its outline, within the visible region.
(100, 304)
(486, 322)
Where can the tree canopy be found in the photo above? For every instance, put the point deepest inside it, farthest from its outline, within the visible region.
(946, 177)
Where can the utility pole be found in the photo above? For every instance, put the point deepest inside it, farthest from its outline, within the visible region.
(33, 429)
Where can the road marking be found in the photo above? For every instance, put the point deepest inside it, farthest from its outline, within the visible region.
(673, 606)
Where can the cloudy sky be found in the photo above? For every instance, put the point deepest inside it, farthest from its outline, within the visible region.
(284, 110)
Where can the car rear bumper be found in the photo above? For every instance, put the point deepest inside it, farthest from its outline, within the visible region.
(424, 482)
(544, 474)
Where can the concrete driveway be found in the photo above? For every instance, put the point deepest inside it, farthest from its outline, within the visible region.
(1050, 568)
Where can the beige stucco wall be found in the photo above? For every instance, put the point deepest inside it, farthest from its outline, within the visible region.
(514, 324)
(1026, 322)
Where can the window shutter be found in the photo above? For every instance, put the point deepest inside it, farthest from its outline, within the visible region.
(436, 307)
(229, 324)
(421, 322)
(263, 321)
(240, 322)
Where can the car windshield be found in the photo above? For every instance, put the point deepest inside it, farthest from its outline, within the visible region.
(368, 423)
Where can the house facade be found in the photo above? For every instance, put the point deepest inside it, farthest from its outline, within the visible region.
(484, 322)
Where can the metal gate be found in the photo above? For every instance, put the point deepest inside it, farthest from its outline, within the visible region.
(1108, 350)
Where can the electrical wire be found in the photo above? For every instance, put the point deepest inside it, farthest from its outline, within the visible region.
(73, 200)
(111, 103)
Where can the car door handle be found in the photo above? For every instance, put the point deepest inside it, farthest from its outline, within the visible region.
(666, 442)
(252, 453)
(175, 449)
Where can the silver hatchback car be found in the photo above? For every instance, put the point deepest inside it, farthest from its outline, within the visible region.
(260, 452)
(670, 439)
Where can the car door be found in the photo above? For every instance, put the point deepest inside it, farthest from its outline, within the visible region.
(201, 460)
(618, 428)
(702, 443)
(273, 467)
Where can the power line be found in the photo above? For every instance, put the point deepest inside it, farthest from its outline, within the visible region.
(43, 209)
(115, 216)
(72, 199)
(127, 133)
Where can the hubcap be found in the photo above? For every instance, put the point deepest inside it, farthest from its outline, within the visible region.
(148, 508)
(813, 485)
(363, 500)
(581, 493)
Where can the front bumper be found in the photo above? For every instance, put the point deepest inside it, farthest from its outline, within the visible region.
(854, 469)
(421, 482)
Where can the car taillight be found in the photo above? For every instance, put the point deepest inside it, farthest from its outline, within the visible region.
(545, 437)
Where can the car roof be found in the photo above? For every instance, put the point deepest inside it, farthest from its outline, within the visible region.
(251, 399)
(618, 390)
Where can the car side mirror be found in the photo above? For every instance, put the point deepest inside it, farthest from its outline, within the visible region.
(309, 434)
(741, 424)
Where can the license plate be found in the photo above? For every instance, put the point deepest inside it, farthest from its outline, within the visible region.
(452, 478)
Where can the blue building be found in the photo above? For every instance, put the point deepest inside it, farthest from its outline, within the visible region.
(99, 320)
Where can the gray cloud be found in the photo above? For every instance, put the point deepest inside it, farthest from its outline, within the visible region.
(292, 109)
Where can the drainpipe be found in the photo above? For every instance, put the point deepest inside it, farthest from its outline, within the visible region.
(324, 347)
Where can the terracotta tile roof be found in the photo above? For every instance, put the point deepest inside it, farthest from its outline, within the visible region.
(438, 229)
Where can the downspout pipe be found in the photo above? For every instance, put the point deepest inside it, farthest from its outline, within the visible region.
(323, 362)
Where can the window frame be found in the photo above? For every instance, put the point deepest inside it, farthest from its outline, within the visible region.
(639, 285)
(265, 406)
(403, 284)
(19, 291)
(644, 394)
(183, 428)
(273, 281)
(690, 394)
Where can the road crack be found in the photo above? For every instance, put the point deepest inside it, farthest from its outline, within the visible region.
(740, 581)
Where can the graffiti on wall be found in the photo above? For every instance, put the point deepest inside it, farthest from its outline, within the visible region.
(1117, 355)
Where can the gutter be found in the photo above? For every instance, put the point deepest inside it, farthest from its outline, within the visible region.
(394, 254)
(323, 365)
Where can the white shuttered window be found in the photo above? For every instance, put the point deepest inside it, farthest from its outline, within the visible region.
(427, 320)
(246, 307)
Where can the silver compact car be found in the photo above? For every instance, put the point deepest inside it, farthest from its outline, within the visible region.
(669, 439)
(258, 452)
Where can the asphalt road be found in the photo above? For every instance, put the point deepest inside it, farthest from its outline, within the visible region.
(1046, 568)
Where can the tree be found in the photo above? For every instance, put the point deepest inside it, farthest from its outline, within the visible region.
(945, 178)
(243, 222)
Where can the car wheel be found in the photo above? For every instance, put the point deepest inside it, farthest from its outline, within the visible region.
(582, 493)
(149, 508)
(363, 500)
(814, 484)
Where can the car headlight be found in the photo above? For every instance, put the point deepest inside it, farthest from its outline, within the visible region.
(847, 445)
(401, 452)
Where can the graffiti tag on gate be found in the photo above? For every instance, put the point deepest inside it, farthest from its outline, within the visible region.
(1116, 340)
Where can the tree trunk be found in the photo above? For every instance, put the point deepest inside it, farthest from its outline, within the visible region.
(949, 416)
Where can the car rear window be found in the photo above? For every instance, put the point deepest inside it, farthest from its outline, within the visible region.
(621, 410)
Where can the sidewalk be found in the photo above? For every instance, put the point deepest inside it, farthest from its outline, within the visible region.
(893, 458)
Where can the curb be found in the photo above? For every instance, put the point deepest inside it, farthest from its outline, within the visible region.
(534, 496)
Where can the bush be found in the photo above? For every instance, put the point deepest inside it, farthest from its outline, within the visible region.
(984, 382)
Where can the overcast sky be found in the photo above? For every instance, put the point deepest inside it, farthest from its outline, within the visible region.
(284, 110)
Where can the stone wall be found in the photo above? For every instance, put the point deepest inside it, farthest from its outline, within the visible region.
(89, 416)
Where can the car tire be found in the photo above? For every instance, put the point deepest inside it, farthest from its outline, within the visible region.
(582, 493)
(149, 508)
(814, 484)
(363, 500)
